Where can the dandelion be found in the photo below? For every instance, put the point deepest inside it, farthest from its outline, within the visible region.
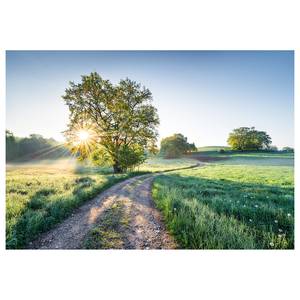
(272, 244)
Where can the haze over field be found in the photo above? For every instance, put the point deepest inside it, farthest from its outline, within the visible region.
(203, 94)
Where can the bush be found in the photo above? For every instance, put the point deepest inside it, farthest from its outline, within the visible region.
(175, 146)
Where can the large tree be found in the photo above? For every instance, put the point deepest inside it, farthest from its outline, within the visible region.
(110, 123)
(247, 139)
(175, 146)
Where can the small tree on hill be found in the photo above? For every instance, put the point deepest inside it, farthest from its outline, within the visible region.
(247, 139)
(176, 145)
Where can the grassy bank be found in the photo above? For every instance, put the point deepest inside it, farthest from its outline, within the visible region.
(229, 205)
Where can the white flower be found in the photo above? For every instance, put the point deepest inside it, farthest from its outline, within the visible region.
(276, 221)
(272, 244)
(289, 215)
(256, 206)
(250, 220)
(280, 230)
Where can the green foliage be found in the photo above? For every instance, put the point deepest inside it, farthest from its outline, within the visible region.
(229, 206)
(288, 149)
(32, 147)
(131, 156)
(175, 146)
(245, 139)
(121, 118)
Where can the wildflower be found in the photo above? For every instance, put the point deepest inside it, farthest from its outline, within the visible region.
(272, 244)
(250, 220)
(279, 235)
(280, 230)
(276, 221)
(175, 208)
(289, 215)
(256, 206)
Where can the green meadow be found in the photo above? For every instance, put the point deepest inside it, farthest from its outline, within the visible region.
(245, 201)
(39, 195)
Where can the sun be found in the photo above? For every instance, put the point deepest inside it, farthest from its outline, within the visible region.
(83, 135)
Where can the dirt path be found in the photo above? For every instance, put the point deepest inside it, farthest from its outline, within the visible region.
(145, 229)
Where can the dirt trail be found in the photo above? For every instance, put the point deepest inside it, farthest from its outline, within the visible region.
(145, 228)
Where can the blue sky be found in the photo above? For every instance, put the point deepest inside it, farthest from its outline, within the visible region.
(202, 94)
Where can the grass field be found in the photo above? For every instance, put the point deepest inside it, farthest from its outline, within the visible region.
(212, 148)
(40, 195)
(243, 202)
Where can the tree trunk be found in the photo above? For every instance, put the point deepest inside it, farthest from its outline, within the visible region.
(117, 168)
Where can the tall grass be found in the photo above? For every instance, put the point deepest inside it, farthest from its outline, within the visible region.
(229, 207)
(41, 194)
(35, 204)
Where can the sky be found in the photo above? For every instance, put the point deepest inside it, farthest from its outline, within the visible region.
(201, 94)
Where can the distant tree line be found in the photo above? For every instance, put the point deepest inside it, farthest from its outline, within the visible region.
(175, 146)
(288, 149)
(33, 147)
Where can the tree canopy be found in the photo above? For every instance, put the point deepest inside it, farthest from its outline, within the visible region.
(119, 119)
(175, 146)
(247, 139)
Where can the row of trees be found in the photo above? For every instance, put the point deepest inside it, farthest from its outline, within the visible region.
(34, 146)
